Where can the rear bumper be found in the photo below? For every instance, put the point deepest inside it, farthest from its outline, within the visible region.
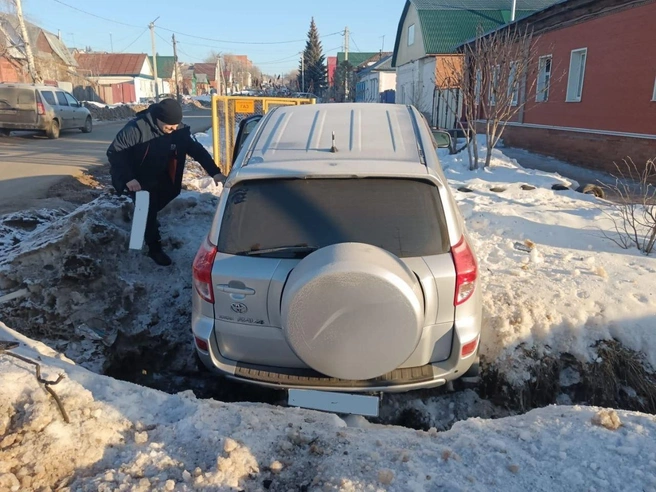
(39, 126)
(401, 380)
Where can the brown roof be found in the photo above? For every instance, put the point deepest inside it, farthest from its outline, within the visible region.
(111, 63)
(208, 69)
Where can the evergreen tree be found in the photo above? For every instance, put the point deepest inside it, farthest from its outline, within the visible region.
(314, 63)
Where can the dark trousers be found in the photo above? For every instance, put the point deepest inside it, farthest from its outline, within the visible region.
(161, 195)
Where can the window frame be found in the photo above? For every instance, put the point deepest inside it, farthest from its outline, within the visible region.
(494, 80)
(72, 102)
(411, 29)
(59, 103)
(576, 96)
(544, 93)
(44, 93)
(653, 96)
(512, 77)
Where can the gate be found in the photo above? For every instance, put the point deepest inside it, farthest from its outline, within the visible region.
(447, 105)
(229, 111)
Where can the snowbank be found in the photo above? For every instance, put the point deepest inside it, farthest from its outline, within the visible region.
(125, 437)
(574, 288)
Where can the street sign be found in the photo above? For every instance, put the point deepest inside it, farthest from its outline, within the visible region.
(245, 106)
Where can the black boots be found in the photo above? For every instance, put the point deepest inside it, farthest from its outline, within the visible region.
(158, 256)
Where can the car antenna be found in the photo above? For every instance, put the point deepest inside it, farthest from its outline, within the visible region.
(333, 149)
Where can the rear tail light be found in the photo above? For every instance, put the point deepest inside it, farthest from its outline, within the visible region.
(202, 270)
(202, 344)
(466, 271)
(40, 109)
(469, 348)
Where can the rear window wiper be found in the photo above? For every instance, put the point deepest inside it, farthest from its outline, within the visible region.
(301, 248)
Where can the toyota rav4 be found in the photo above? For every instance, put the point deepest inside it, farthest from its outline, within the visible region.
(337, 262)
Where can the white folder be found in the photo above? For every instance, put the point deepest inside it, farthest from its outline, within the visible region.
(139, 219)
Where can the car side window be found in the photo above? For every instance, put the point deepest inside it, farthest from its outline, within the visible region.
(61, 99)
(71, 100)
(49, 97)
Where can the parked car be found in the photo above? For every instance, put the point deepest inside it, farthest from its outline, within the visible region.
(41, 108)
(338, 261)
(307, 95)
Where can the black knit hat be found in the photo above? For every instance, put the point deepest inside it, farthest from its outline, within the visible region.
(169, 112)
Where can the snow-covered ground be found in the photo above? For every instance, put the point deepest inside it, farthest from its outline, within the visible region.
(126, 437)
(575, 287)
(571, 290)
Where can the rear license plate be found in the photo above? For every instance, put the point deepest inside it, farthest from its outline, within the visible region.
(334, 402)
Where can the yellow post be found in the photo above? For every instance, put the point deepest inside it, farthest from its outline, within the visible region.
(215, 132)
(227, 133)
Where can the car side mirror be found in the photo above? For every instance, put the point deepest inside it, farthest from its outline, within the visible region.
(442, 139)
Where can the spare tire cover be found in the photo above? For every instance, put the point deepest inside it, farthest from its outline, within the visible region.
(352, 311)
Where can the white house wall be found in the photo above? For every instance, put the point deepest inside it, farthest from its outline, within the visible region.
(415, 84)
(406, 54)
(387, 81)
(144, 88)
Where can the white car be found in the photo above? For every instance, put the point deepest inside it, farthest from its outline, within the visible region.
(337, 261)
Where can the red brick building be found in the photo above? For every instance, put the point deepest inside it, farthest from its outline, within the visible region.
(594, 100)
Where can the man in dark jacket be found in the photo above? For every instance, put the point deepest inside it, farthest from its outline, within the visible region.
(149, 153)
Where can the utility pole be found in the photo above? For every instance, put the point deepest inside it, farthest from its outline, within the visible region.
(175, 68)
(152, 40)
(514, 9)
(346, 70)
(31, 66)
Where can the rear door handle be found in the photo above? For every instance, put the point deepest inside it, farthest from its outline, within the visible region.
(234, 290)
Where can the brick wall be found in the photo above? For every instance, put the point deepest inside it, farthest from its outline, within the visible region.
(584, 149)
(619, 76)
(10, 73)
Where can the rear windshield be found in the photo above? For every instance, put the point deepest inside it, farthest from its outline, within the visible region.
(402, 216)
(11, 97)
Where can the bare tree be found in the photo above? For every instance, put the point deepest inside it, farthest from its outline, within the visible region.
(634, 206)
(494, 76)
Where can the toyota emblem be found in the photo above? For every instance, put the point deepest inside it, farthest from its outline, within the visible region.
(239, 307)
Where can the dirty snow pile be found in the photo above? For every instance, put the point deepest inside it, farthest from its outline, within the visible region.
(126, 437)
(552, 282)
(87, 291)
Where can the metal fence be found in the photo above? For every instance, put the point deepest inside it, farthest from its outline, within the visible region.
(229, 111)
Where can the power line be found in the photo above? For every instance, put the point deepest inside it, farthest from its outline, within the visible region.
(136, 39)
(241, 42)
(356, 44)
(96, 16)
(187, 35)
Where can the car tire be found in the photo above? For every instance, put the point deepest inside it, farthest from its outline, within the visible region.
(4, 132)
(53, 132)
(88, 125)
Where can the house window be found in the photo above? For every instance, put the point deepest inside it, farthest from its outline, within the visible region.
(477, 87)
(411, 35)
(576, 75)
(544, 79)
(513, 84)
(494, 85)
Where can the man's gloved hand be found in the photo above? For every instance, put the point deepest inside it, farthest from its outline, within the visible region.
(219, 178)
(133, 185)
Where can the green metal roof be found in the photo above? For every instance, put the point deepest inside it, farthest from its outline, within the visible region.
(443, 31)
(355, 57)
(165, 66)
(446, 24)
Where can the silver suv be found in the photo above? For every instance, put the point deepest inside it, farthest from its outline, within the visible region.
(41, 108)
(337, 260)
